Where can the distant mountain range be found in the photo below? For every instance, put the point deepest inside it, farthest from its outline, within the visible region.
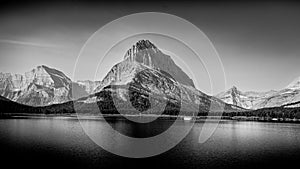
(258, 100)
(146, 77)
(41, 86)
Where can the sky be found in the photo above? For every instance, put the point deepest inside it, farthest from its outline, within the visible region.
(258, 42)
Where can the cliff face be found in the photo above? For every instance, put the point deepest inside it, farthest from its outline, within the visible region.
(146, 65)
(148, 54)
(10, 85)
(146, 73)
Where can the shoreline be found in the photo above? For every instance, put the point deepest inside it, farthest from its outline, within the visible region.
(160, 117)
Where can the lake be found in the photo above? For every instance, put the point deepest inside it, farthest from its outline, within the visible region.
(62, 143)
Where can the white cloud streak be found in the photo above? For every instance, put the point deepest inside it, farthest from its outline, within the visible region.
(14, 42)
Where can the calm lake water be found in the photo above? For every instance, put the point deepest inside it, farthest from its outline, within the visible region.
(62, 143)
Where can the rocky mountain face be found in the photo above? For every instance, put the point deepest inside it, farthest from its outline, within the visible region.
(258, 100)
(147, 77)
(146, 53)
(39, 87)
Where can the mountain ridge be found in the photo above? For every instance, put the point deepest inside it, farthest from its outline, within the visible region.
(40, 86)
(258, 100)
(144, 68)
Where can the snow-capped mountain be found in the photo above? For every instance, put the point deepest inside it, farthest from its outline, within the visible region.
(257, 100)
(38, 87)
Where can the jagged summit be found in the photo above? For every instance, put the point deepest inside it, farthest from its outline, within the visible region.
(137, 48)
(144, 44)
(236, 97)
(231, 91)
(147, 54)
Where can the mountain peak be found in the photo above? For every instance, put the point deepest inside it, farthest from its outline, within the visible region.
(46, 76)
(41, 67)
(144, 44)
(234, 88)
(45, 67)
(141, 46)
(146, 53)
